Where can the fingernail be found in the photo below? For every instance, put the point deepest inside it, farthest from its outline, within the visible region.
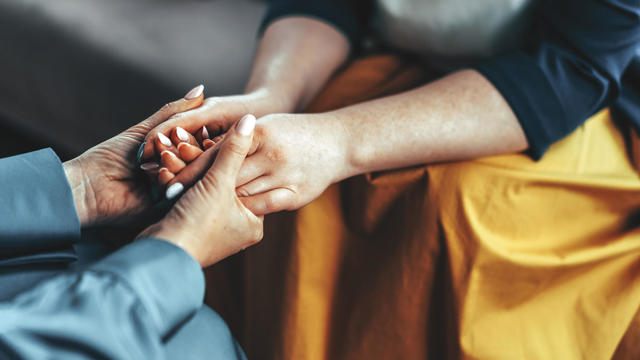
(149, 166)
(140, 152)
(195, 92)
(217, 139)
(205, 133)
(174, 190)
(164, 139)
(182, 134)
(246, 124)
(170, 153)
(207, 143)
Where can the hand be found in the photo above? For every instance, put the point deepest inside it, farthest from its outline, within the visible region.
(106, 182)
(209, 222)
(217, 115)
(292, 160)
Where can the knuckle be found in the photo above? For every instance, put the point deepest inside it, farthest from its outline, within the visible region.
(167, 108)
(261, 131)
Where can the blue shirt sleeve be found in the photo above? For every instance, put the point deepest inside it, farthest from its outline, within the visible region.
(571, 69)
(119, 308)
(37, 212)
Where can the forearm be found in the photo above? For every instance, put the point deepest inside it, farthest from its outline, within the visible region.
(460, 116)
(295, 58)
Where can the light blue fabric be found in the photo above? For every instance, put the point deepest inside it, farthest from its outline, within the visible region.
(143, 301)
(36, 205)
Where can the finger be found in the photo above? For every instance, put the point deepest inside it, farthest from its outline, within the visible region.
(269, 202)
(252, 168)
(164, 143)
(257, 186)
(218, 138)
(202, 134)
(188, 152)
(170, 161)
(164, 176)
(197, 168)
(216, 115)
(180, 135)
(208, 143)
(233, 150)
(191, 100)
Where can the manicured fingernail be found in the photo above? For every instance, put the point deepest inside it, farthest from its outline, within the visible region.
(170, 153)
(149, 166)
(174, 190)
(205, 133)
(207, 143)
(195, 92)
(140, 152)
(164, 139)
(182, 134)
(246, 124)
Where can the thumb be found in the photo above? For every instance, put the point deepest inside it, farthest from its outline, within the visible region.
(233, 150)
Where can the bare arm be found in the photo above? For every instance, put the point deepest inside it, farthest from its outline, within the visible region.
(296, 57)
(460, 116)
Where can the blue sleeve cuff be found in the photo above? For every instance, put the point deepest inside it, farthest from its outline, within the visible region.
(37, 211)
(169, 282)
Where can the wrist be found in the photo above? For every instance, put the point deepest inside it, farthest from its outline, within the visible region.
(352, 150)
(337, 140)
(173, 234)
(80, 189)
(270, 100)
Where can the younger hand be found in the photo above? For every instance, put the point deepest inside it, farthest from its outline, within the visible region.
(292, 160)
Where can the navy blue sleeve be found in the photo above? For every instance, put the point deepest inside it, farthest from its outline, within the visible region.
(37, 211)
(347, 16)
(119, 308)
(571, 69)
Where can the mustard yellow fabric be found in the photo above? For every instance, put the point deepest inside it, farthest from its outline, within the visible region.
(495, 258)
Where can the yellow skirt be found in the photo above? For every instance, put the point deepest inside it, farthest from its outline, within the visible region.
(495, 258)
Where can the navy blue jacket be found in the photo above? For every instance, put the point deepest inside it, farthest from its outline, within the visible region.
(581, 56)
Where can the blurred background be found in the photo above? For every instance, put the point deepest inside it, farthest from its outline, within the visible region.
(76, 72)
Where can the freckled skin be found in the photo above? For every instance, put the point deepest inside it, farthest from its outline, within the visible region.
(296, 156)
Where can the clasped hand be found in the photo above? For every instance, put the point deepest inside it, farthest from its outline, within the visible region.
(209, 221)
(292, 160)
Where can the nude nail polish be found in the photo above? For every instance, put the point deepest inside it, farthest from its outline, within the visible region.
(170, 153)
(174, 190)
(164, 139)
(182, 134)
(149, 166)
(246, 124)
(195, 92)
